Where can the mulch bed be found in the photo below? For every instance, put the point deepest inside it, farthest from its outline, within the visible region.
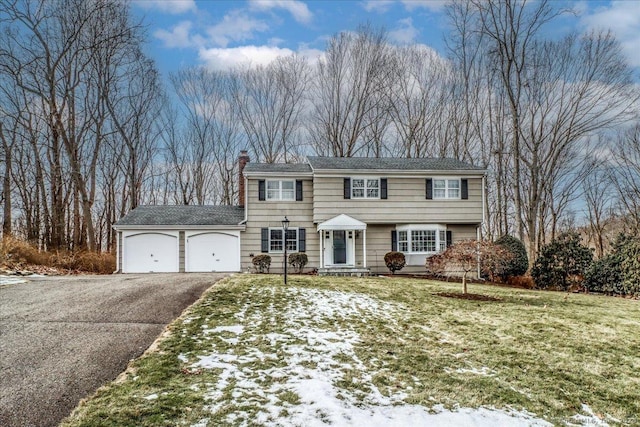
(472, 297)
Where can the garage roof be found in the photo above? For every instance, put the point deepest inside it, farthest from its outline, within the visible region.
(183, 215)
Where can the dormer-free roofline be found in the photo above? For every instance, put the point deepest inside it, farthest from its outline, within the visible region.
(401, 166)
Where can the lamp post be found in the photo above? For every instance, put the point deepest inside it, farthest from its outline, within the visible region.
(285, 227)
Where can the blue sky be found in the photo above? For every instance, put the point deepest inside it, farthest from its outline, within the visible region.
(222, 34)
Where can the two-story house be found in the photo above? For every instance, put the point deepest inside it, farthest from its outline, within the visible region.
(344, 213)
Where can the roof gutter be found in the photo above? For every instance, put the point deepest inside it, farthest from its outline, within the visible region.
(125, 227)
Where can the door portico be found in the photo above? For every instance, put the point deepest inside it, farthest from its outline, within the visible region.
(337, 241)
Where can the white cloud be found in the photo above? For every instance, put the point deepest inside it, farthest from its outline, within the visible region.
(235, 26)
(405, 33)
(433, 5)
(173, 7)
(297, 9)
(382, 6)
(178, 36)
(379, 6)
(623, 18)
(221, 59)
(312, 55)
(250, 55)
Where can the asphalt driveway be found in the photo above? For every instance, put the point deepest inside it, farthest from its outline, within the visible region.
(63, 337)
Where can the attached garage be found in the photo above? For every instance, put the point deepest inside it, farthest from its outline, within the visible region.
(164, 239)
(212, 251)
(150, 252)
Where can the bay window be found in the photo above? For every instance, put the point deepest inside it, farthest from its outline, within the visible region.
(421, 238)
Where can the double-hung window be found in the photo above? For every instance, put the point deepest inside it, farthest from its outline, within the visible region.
(446, 188)
(403, 241)
(365, 188)
(276, 242)
(281, 190)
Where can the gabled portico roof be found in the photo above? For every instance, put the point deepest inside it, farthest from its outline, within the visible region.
(342, 222)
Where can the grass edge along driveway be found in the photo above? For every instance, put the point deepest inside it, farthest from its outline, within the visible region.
(343, 351)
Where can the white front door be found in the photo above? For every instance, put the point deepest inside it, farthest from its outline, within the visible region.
(339, 248)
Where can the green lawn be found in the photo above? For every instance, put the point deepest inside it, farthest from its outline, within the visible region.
(334, 350)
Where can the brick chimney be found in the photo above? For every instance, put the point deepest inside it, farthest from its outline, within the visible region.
(243, 159)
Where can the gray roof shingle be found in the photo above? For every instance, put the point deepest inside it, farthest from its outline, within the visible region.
(278, 167)
(390, 163)
(183, 215)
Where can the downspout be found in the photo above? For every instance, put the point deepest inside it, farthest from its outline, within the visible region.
(478, 249)
(484, 200)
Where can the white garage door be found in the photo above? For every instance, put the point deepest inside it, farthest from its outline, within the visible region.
(150, 253)
(212, 252)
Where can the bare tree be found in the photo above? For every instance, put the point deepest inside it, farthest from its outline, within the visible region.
(598, 196)
(62, 56)
(348, 83)
(556, 94)
(626, 177)
(270, 101)
(469, 256)
(417, 99)
(204, 161)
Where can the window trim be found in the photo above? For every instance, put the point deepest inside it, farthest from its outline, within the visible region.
(440, 232)
(297, 240)
(446, 180)
(280, 198)
(365, 188)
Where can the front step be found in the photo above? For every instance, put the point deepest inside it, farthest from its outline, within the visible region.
(344, 271)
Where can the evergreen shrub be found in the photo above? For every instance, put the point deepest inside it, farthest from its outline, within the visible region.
(395, 261)
(262, 263)
(562, 263)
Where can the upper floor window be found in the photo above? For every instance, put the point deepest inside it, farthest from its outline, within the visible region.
(446, 188)
(365, 188)
(281, 190)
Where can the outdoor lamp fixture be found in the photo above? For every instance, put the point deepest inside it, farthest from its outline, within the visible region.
(285, 227)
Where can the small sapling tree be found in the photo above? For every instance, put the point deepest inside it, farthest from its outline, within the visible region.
(463, 257)
(395, 261)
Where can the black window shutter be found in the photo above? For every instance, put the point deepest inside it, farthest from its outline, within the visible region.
(429, 186)
(298, 191)
(302, 240)
(464, 188)
(449, 238)
(265, 239)
(261, 190)
(383, 188)
(347, 188)
(394, 240)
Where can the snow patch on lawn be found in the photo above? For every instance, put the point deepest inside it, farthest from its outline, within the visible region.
(484, 371)
(590, 419)
(11, 280)
(314, 376)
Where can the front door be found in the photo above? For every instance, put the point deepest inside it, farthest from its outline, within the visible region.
(339, 247)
